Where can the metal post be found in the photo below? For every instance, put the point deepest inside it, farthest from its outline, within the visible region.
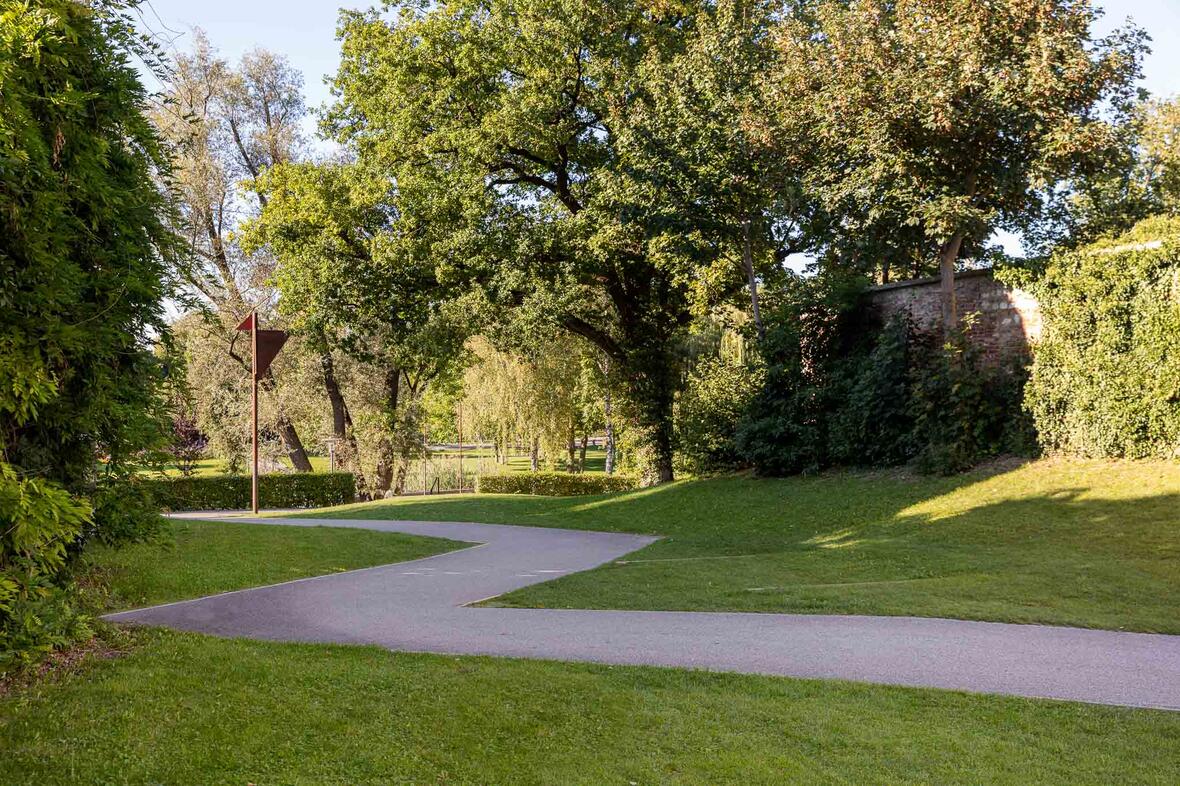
(460, 446)
(425, 452)
(254, 408)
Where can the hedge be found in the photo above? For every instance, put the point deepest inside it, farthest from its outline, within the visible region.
(1106, 375)
(553, 484)
(232, 492)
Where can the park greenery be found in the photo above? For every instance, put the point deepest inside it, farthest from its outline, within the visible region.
(563, 231)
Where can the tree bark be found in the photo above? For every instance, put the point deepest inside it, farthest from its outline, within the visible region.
(610, 434)
(291, 441)
(947, 256)
(751, 279)
(582, 456)
(535, 454)
(341, 418)
(571, 451)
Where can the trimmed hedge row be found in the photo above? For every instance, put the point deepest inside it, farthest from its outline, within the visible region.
(553, 484)
(232, 492)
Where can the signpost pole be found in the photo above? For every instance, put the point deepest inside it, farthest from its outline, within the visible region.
(254, 409)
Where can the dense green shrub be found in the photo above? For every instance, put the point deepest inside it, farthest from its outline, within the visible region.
(810, 329)
(38, 520)
(709, 410)
(1106, 377)
(232, 492)
(965, 411)
(125, 511)
(553, 484)
(872, 420)
(84, 273)
(842, 391)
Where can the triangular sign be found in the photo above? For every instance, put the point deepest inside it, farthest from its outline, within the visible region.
(269, 344)
(248, 322)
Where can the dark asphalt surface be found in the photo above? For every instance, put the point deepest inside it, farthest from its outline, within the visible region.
(420, 606)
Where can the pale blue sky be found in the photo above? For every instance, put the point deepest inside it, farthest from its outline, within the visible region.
(305, 31)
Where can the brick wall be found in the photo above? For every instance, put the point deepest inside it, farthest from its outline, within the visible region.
(1009, 320)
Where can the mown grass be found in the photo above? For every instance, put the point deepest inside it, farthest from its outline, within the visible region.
(196, 558)
(1087, 543)
(184, 708)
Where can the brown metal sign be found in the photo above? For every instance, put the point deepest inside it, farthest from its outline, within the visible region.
(265, 345)
(269, 344)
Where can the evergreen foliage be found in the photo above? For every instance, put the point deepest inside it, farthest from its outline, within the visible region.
(83, 277)
(1106, 376)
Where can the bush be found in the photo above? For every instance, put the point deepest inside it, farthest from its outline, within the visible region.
(709, 411)
(840, 391)
(232, 492)
(964, 411)
(38, 520)
(872, 422)
(1106, 377)
(125, 511)
(553, 484)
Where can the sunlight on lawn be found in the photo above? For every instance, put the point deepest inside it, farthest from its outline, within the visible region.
(1069, 483)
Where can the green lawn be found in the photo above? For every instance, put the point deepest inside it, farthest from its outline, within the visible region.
(1093, 544)
(183, 708)
(201, 558)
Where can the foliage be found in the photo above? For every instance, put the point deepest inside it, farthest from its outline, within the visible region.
(1107, 371)
(504, 131)
(38, 521)
(232, 492)
(83, 277)
(125, 511)
(224, 124)
(965, 411)
(872, 421)
(841, 390)
(939, 121)
(352, 288)
(553, 484)
(1139, 179)
(716, 397)
(812, 325)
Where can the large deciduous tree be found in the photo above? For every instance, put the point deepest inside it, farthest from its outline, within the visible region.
(227, 125)
(950, 117)
(343, 277)
(500, 127)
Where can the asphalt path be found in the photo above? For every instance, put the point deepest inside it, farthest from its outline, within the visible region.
(424, 606)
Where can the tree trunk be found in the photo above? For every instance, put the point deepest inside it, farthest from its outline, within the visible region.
(341, 418)
(386, 454)
(291, 441)
(947, 255)
(535, 454)
(610, 434)
(751, 279)
(403, 469)
(293, 444)
(582, 457)
(571, 452)
(383, 474)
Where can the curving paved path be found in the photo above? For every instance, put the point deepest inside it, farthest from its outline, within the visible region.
(421, 606)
